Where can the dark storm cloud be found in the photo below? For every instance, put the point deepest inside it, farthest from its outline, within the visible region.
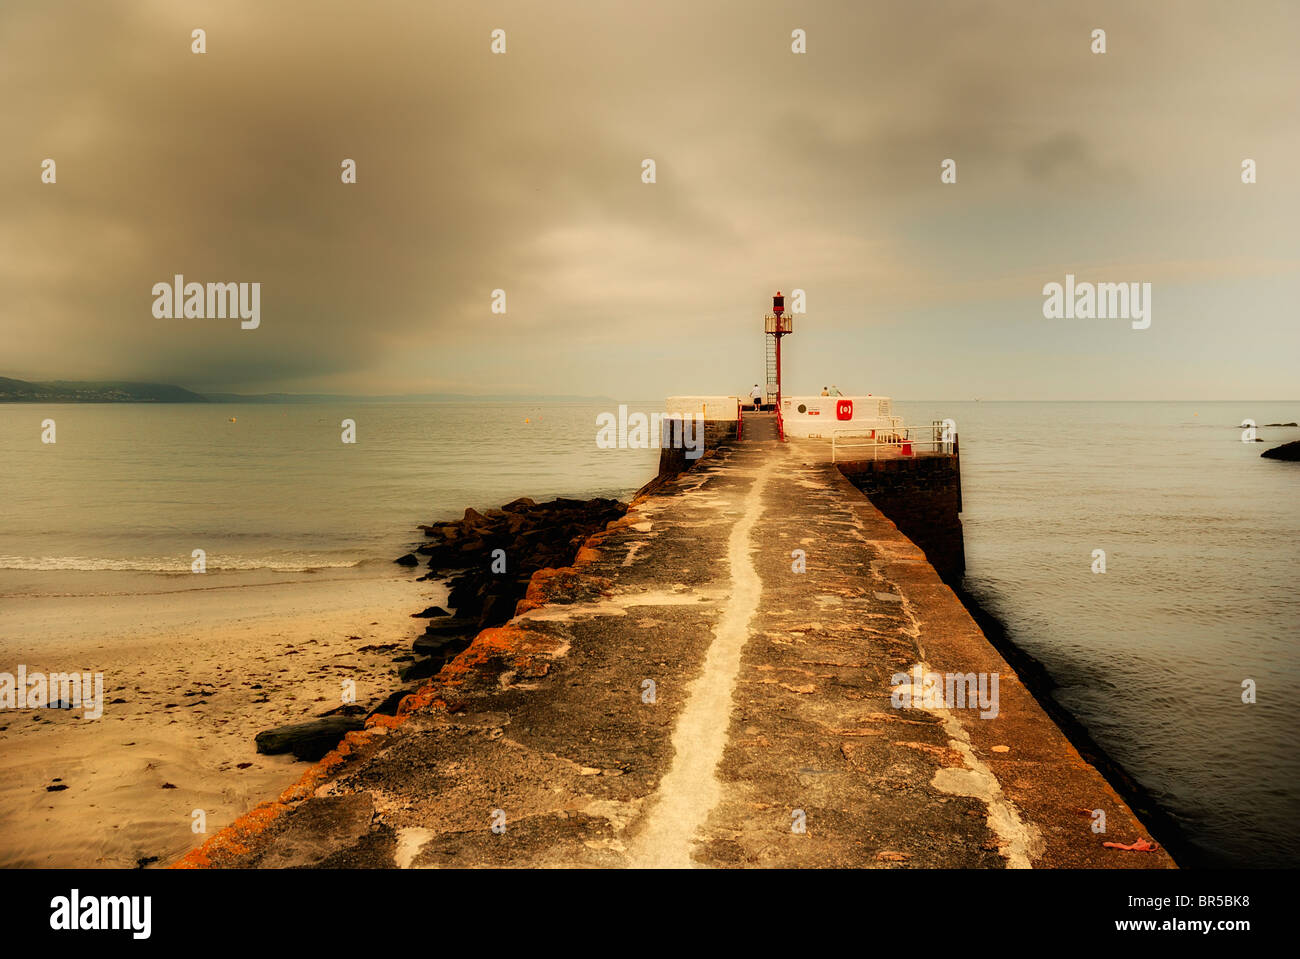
(522, 172)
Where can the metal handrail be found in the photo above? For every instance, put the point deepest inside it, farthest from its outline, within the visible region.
(888, 437)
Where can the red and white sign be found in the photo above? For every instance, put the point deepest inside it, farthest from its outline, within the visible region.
(822, 416)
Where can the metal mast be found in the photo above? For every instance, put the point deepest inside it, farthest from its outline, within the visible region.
(777, 324)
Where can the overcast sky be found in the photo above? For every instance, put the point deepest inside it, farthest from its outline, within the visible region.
(522, 172)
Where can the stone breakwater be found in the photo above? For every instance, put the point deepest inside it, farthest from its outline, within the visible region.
(710, 683)
(493, 555)
(488, 560)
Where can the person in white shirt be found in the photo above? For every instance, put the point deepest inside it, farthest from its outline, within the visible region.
(757, 395)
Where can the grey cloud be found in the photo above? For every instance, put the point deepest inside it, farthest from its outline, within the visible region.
(522, 172)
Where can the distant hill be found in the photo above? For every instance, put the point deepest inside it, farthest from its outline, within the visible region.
(70, 391)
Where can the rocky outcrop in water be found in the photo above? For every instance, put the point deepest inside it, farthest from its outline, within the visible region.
(489, 559)
(494, 554)
(1287, 451)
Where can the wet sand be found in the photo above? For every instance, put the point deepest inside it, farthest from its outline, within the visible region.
(200, 671)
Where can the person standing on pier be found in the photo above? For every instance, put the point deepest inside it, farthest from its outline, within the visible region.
(756, 395)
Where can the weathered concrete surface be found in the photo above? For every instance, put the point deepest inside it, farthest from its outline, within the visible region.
(759, 427)
(771, 709)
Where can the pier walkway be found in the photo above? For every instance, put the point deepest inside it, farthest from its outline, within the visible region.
(710, 685)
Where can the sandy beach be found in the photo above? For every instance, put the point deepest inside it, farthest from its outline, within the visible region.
(191, 675)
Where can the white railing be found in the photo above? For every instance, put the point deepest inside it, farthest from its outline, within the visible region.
(894, 441)
(723, 407)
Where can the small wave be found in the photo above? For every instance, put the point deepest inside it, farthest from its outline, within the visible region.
(154, 564)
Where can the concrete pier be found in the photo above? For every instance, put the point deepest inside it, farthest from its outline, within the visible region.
(715, 682)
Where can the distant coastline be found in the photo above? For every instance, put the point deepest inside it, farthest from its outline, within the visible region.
(71, 391)
(76, 391)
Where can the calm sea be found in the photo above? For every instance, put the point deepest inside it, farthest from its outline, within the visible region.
(1201, 539)
(139, 487)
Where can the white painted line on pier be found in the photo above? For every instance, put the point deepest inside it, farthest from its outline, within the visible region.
(690, 790)
(410, 842)
(1019, 842)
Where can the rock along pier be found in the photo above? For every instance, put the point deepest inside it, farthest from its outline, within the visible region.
(753, 666)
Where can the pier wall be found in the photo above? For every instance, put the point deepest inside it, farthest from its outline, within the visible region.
(922, 496)
(672, 460)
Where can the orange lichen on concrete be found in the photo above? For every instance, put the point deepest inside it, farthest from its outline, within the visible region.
(513, 647)
(553, 583)
(547, 585)
(627, 519)
(590, 549)
(232, 841)
(538, 585)
(321, 770)
(423, 699)
(386, 721)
